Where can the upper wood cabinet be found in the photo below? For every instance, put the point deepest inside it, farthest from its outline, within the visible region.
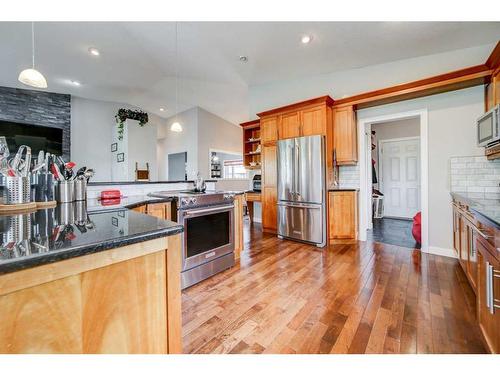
(269, 129)
(314, 120)
(289, 125)
(492, 91)
(345, 135)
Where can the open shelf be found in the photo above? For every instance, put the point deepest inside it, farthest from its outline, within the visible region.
(251, 144)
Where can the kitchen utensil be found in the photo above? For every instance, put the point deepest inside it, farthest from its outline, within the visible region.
(4, 147)
(14, 190)
(16, 162)
(80, 172)
(89, 173)
(47, 160)
(38, 167)
(27, 162)
(54, 171)
(40, 158)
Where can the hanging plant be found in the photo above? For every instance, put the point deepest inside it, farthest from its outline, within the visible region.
(124, 114)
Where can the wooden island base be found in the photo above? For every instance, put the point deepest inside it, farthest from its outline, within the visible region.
(124, 300)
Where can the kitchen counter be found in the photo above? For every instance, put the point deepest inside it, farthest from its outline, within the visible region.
(96, 205)
(111, 183)
(42, 237)
(343, 189)
(488, 208)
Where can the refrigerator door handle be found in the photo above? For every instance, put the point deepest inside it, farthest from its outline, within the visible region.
(295, 169)
(300, 205)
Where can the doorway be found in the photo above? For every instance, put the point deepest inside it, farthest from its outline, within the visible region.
(393, 171)
(399, 176)
(177, 166)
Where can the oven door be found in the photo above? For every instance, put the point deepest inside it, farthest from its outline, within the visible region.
(208, 234)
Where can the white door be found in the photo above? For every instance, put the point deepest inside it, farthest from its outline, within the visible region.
(400, 176)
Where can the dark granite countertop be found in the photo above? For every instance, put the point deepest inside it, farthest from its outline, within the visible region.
(99, 183)
(94, 205)
(68, 231)
(488, 208)
(138, 200)
(342, 189)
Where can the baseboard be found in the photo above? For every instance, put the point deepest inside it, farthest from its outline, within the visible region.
(450, 253)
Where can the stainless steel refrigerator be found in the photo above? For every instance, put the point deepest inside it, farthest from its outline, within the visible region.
(302, 190)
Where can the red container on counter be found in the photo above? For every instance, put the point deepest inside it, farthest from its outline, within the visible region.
(110, 194)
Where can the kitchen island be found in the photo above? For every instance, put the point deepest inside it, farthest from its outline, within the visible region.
(102, 282)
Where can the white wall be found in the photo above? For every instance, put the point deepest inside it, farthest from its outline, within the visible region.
(93, 129)
(202, 131)
(170, 142)
(355, 81)
(215, 133)
(142, 147)
(451, 132)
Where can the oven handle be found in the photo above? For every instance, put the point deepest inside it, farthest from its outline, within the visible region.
(208, 210)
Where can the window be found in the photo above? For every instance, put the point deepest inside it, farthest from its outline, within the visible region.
(234, 169)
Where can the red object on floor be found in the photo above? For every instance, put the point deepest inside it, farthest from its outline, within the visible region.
(417, 228)
(110, 194)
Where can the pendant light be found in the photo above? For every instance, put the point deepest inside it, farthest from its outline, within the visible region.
(31, 76)
(176, 126)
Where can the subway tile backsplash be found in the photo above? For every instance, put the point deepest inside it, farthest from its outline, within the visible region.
(349, 176)
(476, 176)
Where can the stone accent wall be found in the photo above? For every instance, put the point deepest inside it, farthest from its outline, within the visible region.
(38, 108)
(476, 176)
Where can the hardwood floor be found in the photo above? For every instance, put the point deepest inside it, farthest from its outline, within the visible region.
(287, 297)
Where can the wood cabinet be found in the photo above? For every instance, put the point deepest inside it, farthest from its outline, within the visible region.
(492, 91)
(476, 245)
(159, 210)
(141, 209)
(269, 129)
(488, 295)
(124, 300)
(251, 144)
(314, 120)
(269, 189)
(238, 224)
(345, 135)
(342, 215)
(289, 125)
(456, 230)
(303, 122)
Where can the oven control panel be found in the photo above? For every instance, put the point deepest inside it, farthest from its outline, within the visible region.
(203, 200)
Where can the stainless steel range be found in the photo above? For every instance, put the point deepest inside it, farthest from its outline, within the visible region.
(208, 238)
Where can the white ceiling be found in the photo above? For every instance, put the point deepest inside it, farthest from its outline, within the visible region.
(137, 62)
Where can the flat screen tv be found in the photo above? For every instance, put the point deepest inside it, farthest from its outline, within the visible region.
(37, 137)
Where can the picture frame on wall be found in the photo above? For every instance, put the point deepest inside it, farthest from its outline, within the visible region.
(114, 147)
(120, 157)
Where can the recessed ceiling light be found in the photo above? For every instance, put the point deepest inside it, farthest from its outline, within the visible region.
(306, 39)
(162, 109)
(94, 51)
(244, 59)
(75, 83)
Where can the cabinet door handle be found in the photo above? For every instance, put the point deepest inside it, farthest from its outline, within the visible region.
(491, 301)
